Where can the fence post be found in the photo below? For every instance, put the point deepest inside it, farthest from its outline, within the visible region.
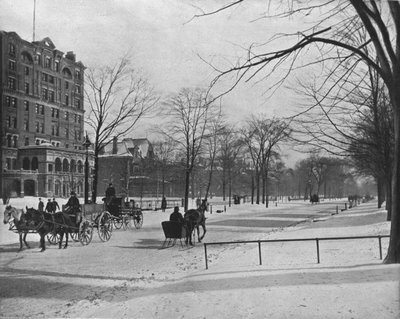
(317, 242)
(337, 209)
(259, 252)
(345, 206)
(205, 252)
(380, 247)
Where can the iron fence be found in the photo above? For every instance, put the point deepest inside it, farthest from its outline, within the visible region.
(317, 240)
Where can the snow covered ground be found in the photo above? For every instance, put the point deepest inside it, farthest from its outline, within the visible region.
(131, 277)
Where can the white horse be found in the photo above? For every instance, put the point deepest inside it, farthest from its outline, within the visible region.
(16, 217)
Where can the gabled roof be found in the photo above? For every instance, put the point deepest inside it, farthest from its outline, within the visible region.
(130, 147)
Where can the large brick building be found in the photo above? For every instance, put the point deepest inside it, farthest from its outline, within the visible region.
(41, 118)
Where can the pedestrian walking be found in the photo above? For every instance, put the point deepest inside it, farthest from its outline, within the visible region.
(163, 204)
(55, 205)
(41, 205)
(49, 206)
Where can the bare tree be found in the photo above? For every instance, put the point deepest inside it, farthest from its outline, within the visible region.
(189, 113)
(117, 98)
(381, 22)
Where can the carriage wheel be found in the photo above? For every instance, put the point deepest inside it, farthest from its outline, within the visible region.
(104, 226)
(118, 222)
(53, 238)
(85, 234)
(74, 236)
(138, 219)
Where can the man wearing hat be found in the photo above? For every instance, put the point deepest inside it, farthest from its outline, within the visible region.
(176, 216)
(73, 207)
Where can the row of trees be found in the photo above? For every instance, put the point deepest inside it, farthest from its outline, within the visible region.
(355, 108)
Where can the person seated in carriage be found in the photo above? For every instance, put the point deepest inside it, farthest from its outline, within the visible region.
(112, 204)
(176, 216)
(110, 193)
(73, 207)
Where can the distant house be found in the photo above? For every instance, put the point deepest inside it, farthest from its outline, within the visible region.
(126, 164)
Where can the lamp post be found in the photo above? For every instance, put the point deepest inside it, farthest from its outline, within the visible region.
(87, 144)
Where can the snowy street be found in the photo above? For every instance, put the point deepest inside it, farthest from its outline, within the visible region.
(130, 276)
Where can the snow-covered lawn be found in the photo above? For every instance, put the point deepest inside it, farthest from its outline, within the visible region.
(130, 277)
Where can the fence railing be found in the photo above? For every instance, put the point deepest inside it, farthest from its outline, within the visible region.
(317, 240)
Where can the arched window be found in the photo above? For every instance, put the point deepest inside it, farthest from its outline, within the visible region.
(65, 165)
(35, 163)
(26, 164)
(26, 57)
(73, 166)
(58, 165)
(67, 73)
(80, 167)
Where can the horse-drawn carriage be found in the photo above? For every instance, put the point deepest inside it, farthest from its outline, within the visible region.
(80, 227)
(124, 214)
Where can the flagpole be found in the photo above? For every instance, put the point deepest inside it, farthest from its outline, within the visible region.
(34, 19)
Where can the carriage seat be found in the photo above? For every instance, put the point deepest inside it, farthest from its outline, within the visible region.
(172, 232)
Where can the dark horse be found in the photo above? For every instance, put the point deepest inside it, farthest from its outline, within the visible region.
(194, 218)
(21, 223)
(58, 223)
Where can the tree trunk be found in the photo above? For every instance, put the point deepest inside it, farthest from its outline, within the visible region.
(380, 190)
(95, 175)
(187, 181)
(388, 205)
(223, 184)
(393, 255)
(257, 186)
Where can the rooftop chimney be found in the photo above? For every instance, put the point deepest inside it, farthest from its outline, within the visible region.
(114, 146)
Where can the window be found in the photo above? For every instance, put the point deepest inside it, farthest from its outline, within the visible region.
(41, 128)
(66, 99)
(26, 88)
(42, 109)
(37, 127)
(39, 59)
(26, 106)
(26, 125)
(75, 118)
(11, 83)
(51, 96)
(37, 142)
(66, 132)
(51, 79)
(14, 102)
(57, 66)
(66, 115)
(8, 121)
(50, 169)
(14, 122)
(45, 94)
(9, 140)
(78, 74)
(11, 65)
(26, 70)
(53, 110)
(47, 62)
(78, 89)
(66, 85)
(26, 141)
(37, 108)
(15, 141)
(11, 49)
(79, 118)
(78, 103)
(57, 113)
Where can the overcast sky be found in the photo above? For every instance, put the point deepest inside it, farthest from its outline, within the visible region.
(164, 41)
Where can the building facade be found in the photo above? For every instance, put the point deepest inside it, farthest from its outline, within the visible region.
(41, 119)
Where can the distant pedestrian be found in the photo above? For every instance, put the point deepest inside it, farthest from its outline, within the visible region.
(49, 206)
(163, 204)
(55, 205)
(41, 205)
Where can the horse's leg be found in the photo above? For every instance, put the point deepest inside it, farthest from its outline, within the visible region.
(204, 231)
(61, 238)
(20, 241)
(24, 238)
(42, 242)
(198, 233)
(66, 239)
